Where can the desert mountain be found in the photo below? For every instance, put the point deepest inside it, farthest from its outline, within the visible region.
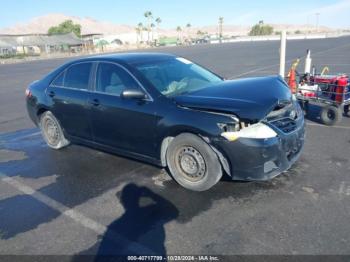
(41, 24)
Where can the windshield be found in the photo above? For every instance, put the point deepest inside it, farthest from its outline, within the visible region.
(177, 76)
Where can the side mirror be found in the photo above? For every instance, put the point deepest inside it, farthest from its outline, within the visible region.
(133, 94)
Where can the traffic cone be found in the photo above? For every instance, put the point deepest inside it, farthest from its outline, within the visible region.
(292, 81)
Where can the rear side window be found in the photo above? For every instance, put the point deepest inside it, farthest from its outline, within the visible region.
(59, 80)
(76, 76)
(113, 79)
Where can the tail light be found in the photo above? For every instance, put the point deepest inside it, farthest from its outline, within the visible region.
(28, 93)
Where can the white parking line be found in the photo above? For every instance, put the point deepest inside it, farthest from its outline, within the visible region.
(341, 127)
(27, 136)
(30, 135)
(132, 247)
(256, 70)
(287, 61)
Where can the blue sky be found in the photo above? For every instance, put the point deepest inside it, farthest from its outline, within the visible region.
(179, 12)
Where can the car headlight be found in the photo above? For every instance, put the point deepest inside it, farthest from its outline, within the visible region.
(256, 131)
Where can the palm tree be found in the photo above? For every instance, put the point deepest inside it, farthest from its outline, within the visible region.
(139, 32)
(158, 21)
(145, 29)
(148, 15)
(178, 30)
(221, 21)
(152, 28)
(188, 26)
(137, 29)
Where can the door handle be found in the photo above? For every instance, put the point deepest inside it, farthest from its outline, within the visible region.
(95, 102)
(52, 94)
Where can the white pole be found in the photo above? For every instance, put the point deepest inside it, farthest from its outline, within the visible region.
(283, 53)
(307, 69)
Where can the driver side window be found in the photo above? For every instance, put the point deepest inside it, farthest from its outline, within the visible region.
(113, 79)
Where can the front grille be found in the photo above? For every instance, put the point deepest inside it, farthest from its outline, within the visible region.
(286, 125)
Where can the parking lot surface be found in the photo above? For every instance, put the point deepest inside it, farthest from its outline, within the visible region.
(82, 201)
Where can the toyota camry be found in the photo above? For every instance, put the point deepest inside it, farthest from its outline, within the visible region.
(168, 111)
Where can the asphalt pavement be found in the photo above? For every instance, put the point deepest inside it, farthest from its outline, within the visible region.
(82, 201)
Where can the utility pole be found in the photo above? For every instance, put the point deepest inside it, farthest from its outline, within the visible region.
(21, 40)
(317, 20)
(221, 21)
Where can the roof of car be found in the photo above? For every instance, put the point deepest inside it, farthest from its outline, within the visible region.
(131, 58)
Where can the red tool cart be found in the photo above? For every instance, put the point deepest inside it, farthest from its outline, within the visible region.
(331, 92)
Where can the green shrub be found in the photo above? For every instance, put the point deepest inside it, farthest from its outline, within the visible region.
(261, 29)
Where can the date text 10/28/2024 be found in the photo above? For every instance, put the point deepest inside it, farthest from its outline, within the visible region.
(173, 258)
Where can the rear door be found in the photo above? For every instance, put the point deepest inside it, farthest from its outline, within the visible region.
(69, 96)
(126, 124)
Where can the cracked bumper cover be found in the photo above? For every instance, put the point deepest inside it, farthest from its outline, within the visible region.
(262, 159)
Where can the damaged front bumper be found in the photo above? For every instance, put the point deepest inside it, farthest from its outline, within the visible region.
(263, 159)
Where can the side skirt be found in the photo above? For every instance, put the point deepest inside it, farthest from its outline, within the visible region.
(113, 150)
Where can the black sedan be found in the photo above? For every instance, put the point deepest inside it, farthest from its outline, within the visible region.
(168, 111)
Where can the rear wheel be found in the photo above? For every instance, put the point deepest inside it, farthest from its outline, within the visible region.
(192, 163)
(347, 110)
(52, 131)
(330, 115)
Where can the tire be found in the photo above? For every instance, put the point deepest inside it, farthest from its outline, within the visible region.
(52, 131)
(192, 162)
(347, 110)
(330, 115)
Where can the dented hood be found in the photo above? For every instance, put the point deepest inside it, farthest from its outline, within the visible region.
(250, 98)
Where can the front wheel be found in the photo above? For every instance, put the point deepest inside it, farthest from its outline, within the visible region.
(52, 131)
(330, 115)
(192, 162)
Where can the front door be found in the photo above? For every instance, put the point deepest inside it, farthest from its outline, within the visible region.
(126, 124)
